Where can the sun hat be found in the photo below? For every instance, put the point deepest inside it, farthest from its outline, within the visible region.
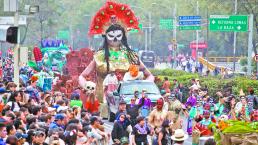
(179, 135)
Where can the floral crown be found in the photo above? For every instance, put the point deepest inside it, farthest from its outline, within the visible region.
(113, 13)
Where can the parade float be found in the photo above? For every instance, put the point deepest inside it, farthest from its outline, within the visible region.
(49, 62)
(112, 21)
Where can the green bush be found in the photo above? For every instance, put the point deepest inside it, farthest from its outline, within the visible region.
(213, 83)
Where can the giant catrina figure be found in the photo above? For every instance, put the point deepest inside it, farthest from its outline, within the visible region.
(113, 21)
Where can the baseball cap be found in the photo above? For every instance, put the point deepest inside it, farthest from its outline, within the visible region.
(122, 102)
(59, 117)
(61, 108)
(20, 135)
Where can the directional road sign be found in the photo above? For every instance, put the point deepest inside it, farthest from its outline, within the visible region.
(229, 23)
(189, 17)
(189, 22)
(166, 24)
(190, 28)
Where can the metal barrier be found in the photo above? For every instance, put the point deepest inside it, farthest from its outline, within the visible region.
(223, 59)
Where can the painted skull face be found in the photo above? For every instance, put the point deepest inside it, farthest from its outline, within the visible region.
(114, 37)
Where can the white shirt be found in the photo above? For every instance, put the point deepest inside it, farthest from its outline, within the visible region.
(16, 106)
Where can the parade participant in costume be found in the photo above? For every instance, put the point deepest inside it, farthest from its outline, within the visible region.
(92, 104)
(196, 113)
(219, 107)
(241, 109)
(191, 101)
(144, 104)
(229, 107)
(113, 20)
(254, 116)
(110, 84)
(252, 100)
(133, 74)
(173, 115)
(166, 85)
(32, 89)
(157, 116)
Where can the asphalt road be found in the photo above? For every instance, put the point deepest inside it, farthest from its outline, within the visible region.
(109, 126)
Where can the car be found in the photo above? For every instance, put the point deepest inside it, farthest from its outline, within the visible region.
(126, 91)
(147, 58)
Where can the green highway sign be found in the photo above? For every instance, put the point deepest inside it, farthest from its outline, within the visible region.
(166, 24)
(190, 28)
(233, 23)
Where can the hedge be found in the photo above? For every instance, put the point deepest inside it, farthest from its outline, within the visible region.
(213, 83)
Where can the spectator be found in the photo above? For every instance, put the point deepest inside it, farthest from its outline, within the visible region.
(133, 110)
(14, 103)
(179, 137)
(166, 85)
(121, 108)
(3, 134)
(11, 140)
(140, 132)
(119, 129)
(58, 122)
(210, 142)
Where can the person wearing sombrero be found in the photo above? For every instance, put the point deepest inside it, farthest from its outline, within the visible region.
(179, 137)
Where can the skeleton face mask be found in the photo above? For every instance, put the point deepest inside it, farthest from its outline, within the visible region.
(114, 37)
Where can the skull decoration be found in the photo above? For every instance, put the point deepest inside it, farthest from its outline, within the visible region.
(114, 37)
(90, 87)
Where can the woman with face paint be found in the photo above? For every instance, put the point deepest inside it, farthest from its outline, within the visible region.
(115, 55)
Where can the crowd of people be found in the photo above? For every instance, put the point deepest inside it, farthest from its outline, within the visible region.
(164, 121)
(31, 117)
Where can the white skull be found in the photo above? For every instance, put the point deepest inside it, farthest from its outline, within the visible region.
(115, 35)
(90, 87)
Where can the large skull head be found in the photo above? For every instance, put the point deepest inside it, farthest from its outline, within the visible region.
(90, 87)
(114, 35)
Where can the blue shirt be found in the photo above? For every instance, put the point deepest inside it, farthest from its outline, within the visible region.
(2, 142)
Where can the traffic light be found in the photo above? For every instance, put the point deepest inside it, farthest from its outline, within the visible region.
(12, 35)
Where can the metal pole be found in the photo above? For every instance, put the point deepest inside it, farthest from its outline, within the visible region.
(146, 39)
(16, 51)
(150, 30)
(207, 53)
(197, 32)
(174, 34)
(250, 45)
(234, 45)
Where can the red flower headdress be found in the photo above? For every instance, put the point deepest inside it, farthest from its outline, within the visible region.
(111, 13)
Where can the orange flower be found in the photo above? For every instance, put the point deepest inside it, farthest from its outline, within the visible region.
(222, 125)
